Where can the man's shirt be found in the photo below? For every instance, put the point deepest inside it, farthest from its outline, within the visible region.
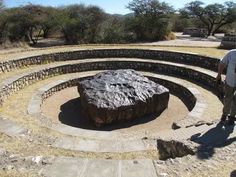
(229, 60)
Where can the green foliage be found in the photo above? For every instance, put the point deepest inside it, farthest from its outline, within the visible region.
(3, 24)
(24, 23)
(88, 24)
(80, 24)
(18, 24)
(94, 18)
(179, 23)
(1, 5)
(114, 30)
(150, 21)
(72, 24)
(212, 16)
(49, 23)
(73, 31)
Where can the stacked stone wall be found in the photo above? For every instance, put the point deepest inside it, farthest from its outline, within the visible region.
(15, 84)
(177, 57)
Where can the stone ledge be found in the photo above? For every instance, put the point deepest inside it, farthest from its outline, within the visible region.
(75, 167)
(43, 93)
(194, 118)
(101, 146)
(19, 82)
(178, 57)
(11, 129)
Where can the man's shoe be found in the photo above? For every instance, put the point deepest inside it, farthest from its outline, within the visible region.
(231, 120)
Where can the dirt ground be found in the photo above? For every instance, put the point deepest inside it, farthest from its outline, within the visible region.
(56, 107)
(64, 107)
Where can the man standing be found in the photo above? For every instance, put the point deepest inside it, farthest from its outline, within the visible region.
(229, 109)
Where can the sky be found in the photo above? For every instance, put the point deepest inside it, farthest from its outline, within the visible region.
(109, 6)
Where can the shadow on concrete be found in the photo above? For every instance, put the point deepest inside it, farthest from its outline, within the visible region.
(71, 114)
(214, 138)
(233, 173)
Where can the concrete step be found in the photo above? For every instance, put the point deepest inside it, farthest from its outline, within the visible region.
(76, 167)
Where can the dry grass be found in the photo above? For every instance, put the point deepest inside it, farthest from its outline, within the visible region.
(17, 53)
(14, 173)
(212, 52)
(17, 146)
(227, 169)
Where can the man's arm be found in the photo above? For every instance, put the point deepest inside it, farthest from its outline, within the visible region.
(221, 68)
(222, 64)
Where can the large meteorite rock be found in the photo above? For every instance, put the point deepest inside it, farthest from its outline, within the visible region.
(120, 95)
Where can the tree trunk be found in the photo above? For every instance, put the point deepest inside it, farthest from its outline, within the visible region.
(210, 29)
(30, 35)
(45, 32)
(218, 27)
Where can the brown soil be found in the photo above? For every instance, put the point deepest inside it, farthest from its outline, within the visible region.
(64, 107)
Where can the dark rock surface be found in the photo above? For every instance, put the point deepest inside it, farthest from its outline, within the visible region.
(119, 95)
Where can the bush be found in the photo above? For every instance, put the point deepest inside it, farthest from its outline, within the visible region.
(19, 23)
(170, 36)
(150, 21)
(113, 31)
(73, 31)
(87, 24)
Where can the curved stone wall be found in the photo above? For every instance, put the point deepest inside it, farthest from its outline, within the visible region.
(171, 70)
(96, 141)
(176, 89)
(190, 59)
(34, 108)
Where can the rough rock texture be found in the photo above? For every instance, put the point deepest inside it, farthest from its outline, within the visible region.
(172, 149)
(119, 95)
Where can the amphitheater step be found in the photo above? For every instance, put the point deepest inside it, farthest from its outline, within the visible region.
(100, 146)
(75, 167)
(10, 128)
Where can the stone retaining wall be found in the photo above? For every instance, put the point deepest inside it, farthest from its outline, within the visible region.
(177, 57)
(34, 108)
(172, 70)
(176, 89)
(228, 42)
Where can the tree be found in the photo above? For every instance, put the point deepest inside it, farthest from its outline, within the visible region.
(50, 23)
(41, 21)
(113, 30)
(150, 20)
(2, 22)
(1, 5)
(80, 24)
(179, 23)
(94, 17)
(18, 24)
(213, 16)
(26, 23)
(3, 27)
(72, 23)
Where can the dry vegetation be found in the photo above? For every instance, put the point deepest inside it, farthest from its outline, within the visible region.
(16, 174)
